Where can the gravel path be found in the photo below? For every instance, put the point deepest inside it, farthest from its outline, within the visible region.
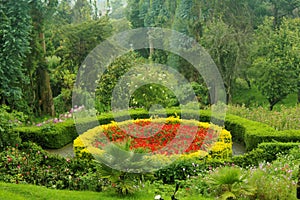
(238, 149)
(66, 151)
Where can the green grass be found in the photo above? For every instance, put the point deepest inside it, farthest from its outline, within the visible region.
(30, 192)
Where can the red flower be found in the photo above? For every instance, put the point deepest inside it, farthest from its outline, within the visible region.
(173, 138)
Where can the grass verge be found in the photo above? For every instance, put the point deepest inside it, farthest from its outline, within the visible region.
(31, 192)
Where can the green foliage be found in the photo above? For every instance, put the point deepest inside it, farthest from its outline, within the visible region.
(181, 169)
(72, 44)
(51, 136)
(267, 152)
(229, 183)
(282, 119)
(30, 164)
(14, 39)
(82, 11)
(8, 121)
(277, 59)
(228, 49)
(109, 80)
(120, 166)
(133, 12)
(276, 180)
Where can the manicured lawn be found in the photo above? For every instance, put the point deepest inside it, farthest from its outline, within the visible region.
(30, 192)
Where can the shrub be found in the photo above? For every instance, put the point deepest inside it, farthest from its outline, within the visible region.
(30, 164)
(267, 152)
(285, 119)
(229, 183)
(121, 167)
(51, 135)
(242, 130)
(7, 122)
(276, 180)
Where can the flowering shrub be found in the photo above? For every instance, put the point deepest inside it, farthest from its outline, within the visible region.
(276, 180)
(62, 117)
(7, 123)
(169, 136)
(285, 119)
(30, 164)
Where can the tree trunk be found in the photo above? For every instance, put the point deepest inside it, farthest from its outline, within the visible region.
(46, 104)
(272, 104)
(151, 45)
(276, 16)
(299, 96)
(45, 93)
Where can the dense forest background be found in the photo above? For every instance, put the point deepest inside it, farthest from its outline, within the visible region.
(254, 43)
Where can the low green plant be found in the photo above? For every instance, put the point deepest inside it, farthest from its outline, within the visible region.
(229, 183)
(121, 167)
(277, 179)
(7, 122)
(28, 163)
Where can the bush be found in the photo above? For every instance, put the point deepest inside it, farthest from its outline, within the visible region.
(229, 183)
(242, 130)
(253, 133)
(8, 137)
(29, 163)
(285, 119)
(51, 135)
(276, 180)
(265, 152)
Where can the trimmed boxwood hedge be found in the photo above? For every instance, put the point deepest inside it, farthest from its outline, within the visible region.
(264, 152)
(242, 130)
(52, 136)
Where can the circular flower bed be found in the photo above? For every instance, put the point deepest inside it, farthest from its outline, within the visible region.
(170, 136)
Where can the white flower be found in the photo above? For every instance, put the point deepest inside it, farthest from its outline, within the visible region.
(157, 197)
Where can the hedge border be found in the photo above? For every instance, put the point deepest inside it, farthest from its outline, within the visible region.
(245, 131)
(267, 152)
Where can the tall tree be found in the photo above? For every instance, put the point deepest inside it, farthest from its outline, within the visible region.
(133, 12)
(156, 16)
(82, 11)
(77, 41)
(283, 8)
(277, 59)
(225, 46)
(63, 14)
(14, 40)
(37, 68)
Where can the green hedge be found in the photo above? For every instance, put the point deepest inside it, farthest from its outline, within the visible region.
(264, 152)
(242, 130)
(52, 136)
(253, 133)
